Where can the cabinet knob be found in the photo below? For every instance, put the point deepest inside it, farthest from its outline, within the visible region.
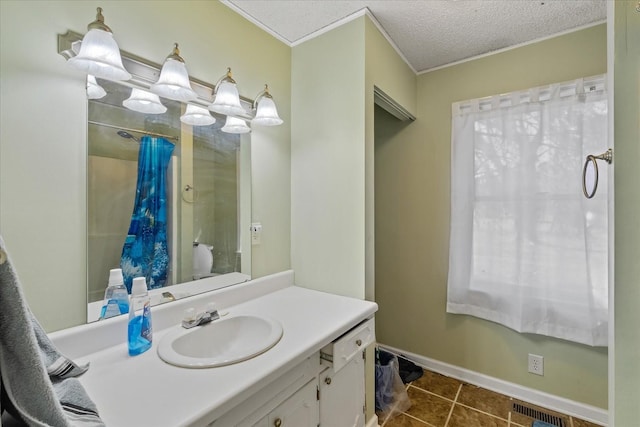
(358, 343)
(327, 380)
(277, 422)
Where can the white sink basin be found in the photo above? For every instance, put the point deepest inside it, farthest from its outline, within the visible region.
(221, 342)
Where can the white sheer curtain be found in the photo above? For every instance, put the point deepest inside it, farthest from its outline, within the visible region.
(527, 249)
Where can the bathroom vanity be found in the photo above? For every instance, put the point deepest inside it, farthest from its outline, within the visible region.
(314, 375)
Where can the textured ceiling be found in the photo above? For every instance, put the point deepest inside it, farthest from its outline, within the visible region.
(430, 33)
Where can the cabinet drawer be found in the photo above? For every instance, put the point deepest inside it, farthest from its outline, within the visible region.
(341, 351)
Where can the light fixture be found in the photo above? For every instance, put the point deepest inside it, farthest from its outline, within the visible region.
(197, 116)
(235, 125)
(94, 90)
(266, 111)
(226, 98)
(144, 102)
(99, 53)
(174, 79)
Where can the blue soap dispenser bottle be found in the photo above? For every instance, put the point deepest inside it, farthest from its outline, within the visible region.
(139, 331)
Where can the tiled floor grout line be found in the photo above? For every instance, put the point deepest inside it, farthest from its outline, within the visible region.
(455, 402)
(390, 412)
(432, 393)
(418, 419)
(455, 399)
(483, 412)
(404, 413)
(384, 423)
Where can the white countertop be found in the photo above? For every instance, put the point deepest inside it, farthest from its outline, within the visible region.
(145, 391)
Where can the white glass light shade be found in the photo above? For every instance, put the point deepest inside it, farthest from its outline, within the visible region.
(100, 56)
(235, 125)
(144, 102)
(227, 100)
(197, 116)
(94, 90)
(174, 82)
(266, 113)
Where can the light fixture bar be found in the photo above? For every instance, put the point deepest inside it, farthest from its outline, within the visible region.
(144, 72)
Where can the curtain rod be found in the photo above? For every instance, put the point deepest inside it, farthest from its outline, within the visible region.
(91, 122)
(542, 93)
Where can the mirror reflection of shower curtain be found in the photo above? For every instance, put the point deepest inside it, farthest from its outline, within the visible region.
(145, 252)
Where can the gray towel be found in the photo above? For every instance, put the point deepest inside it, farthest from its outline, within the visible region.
(38, 383)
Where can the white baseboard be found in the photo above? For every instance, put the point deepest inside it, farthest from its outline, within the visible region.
(373, 422)
(580, 410)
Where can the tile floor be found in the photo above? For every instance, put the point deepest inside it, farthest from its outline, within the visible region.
(440, 401)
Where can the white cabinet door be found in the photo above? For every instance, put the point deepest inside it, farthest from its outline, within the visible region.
(300, 410)
(301, 381)
(342, 395)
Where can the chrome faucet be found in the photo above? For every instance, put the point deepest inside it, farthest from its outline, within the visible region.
(192, 319)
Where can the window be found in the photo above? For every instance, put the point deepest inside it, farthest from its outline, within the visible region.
(527, 249)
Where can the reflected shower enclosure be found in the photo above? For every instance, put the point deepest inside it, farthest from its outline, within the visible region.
(202, 186)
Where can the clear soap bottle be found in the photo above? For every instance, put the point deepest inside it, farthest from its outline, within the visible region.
(116, 297)
(139, 331)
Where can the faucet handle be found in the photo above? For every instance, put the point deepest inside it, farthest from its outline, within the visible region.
(189, 318)
(189, 315)
(212, 310)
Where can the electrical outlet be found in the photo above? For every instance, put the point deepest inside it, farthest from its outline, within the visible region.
(256, 233)
(536, 364)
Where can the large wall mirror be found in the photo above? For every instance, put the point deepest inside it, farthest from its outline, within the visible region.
(205, 187)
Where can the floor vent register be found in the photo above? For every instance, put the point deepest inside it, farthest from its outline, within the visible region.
(539, 415)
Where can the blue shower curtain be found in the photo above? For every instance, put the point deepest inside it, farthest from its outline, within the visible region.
(145, 252)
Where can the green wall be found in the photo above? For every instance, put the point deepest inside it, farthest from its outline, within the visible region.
(386, 70)
(412, 226)
(327, 161)
(626, 373)
(332, 157)
(43, 129)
